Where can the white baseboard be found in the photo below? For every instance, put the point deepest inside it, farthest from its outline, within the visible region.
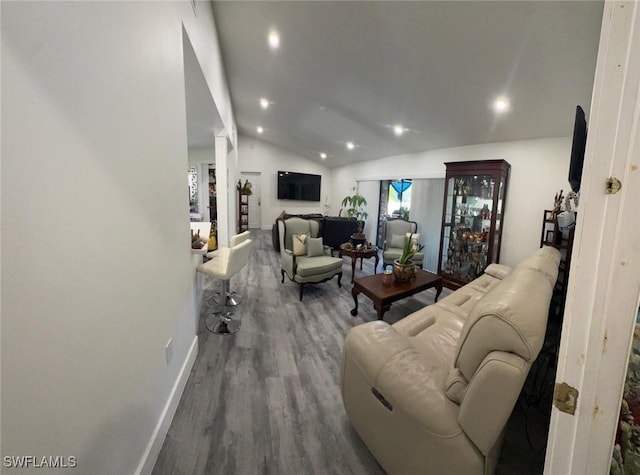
(145, 467)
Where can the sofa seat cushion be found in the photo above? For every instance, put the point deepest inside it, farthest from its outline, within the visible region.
(309, 266)
(410, 381)
(394, 253)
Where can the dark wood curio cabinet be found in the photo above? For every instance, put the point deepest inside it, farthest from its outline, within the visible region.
(472, 219)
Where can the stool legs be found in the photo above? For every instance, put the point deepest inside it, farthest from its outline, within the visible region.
(231, 299)
(221, 322)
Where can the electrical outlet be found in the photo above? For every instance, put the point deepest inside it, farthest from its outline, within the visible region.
(168, 351)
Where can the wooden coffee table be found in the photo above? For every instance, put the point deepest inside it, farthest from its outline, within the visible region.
(347, 249)
(383, 295)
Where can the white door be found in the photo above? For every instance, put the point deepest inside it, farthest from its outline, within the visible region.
(604, 284)
(255, 178)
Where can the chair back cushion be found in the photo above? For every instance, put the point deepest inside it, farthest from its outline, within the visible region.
(511, 318)
(238, 257)
(293, 226)
(238, 238)
(399, 227)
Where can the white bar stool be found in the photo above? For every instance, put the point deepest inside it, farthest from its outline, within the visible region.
(225, 264)
(231, 298)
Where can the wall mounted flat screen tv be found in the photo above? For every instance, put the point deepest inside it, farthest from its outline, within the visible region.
(298, 186)
(577, 149)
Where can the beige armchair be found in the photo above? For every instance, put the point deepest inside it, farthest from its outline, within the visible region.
(396, 230)
(308, 262)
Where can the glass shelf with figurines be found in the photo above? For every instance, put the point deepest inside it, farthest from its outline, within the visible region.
(472, 219)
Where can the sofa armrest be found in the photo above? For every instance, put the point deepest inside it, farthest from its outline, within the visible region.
(288, 261)
(490, 397)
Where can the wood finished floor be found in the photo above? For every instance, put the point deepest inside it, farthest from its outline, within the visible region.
(267, 399)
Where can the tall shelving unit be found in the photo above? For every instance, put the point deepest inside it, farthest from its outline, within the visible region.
(563, 241)
(243, 211)
(213, 203)
(472, 219)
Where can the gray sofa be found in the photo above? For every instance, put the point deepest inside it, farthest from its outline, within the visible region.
(433, 392)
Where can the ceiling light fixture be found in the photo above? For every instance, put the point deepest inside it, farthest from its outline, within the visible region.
(323, 155)
(350, 145)
(264, 103)
(501, 105)
(259, 129)
(398, 130)
(274, 39)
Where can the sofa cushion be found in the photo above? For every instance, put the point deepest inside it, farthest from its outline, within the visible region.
(315, 247)
(299, 242)
(415, 239)
(308, 266)
(393, 254)
(397, 241)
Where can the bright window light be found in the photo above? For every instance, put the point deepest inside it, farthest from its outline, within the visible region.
(264, 103)
(350, 145)
(398, 130)
(259, 129)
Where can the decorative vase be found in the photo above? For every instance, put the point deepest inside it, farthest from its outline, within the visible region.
(403, 272)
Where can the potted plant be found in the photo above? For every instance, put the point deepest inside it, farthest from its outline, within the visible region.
(355, 207)
(403, 267)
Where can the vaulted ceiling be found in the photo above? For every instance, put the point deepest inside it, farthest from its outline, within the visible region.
(349, 71)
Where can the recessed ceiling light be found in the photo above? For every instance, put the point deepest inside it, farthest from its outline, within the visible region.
(350, 145)
(259, 129)
(323, 155)
(264, 103)
(398, 130)
(501, 105)
(274, 39)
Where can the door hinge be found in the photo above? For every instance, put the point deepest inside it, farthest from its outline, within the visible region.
(565, 398)
(613, 185)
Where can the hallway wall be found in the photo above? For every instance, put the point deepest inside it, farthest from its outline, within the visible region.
(96, 264)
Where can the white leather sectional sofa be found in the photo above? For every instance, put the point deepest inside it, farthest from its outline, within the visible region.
(432, 393)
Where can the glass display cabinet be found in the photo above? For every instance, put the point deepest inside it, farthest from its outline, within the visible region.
(472, 219)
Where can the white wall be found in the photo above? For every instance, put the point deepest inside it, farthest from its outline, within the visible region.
(94, 116)
(370, 190)
(259, 156)
(539, 169)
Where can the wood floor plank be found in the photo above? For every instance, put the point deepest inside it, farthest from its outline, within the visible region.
(267, 399)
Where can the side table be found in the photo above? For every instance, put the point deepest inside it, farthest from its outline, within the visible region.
(347, 249)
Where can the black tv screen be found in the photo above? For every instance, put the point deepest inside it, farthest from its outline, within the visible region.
(577, 149)
(298, 186)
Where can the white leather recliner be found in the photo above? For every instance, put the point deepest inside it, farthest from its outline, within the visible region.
(432, 393)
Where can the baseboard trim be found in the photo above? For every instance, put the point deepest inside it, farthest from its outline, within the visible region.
(145, 467)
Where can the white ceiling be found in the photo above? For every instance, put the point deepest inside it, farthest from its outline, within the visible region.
(347, 71)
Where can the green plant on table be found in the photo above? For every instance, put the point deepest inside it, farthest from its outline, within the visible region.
(409, 250)
(355, 207)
